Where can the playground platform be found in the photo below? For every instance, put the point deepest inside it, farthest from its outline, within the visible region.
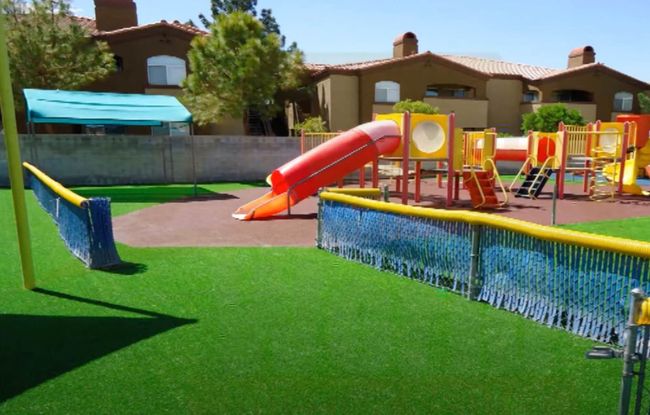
(207, 221)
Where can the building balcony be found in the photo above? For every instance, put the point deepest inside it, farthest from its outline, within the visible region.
(587, 109)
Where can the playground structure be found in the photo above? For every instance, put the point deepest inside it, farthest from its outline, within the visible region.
(402, 138)
(608, 156)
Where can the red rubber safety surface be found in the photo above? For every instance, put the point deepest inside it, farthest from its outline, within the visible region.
(208, 221)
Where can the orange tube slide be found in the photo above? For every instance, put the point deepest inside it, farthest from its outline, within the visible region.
(323, 165)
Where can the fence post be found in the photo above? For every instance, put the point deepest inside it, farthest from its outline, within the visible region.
(629, 353)
(319, 220)
(386, 193)
(474, 286)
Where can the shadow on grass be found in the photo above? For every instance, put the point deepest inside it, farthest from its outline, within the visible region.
(126, 268)
(37, 348)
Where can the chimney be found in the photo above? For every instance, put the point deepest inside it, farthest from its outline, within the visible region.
(405, 45)
(115, 14)
(581, 56)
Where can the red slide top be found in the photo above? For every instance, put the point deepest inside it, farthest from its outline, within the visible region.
(322, 166)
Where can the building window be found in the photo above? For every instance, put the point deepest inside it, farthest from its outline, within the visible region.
(431, 91)
(531, 96)
(119, 63)
(165, 70)
(623, 101)
(572, 95)
(449, 91)
(386, 91)
(174, 129)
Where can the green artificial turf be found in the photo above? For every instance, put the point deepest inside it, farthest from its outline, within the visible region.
(269, 330)
(126, 199)
(632, 228)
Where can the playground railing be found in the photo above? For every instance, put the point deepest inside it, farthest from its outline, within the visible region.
(84, 224)
(490, 165)
(313, 140)
(530, 162)
(566, 279)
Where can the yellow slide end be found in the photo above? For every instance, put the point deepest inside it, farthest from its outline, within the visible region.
(268, 205)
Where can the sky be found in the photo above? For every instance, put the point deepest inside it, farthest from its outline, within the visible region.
(532, 32)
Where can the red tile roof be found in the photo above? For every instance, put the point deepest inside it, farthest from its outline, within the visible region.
(86, 22)
(91, 25)
(319, 69)
(484, 66)
(496, 67)
(163, 23)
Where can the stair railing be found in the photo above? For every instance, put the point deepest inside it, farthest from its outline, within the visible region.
(529, 160)
(489, 162)
(540, 174)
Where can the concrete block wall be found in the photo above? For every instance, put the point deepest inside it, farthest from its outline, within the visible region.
(122, 159)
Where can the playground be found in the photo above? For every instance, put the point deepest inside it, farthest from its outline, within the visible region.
(282, 296)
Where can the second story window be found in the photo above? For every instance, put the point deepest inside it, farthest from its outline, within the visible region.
(572, 95)
(623, 101)
(166, 70)
(386, 91)
(449, 91)
(531, 96)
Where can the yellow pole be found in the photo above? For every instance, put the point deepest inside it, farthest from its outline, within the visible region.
(13, 161)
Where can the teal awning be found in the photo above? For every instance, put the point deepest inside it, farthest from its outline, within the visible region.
(102, 108)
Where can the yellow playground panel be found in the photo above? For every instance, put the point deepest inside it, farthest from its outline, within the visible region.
(428, 135)
(595, 151)
(479, 148)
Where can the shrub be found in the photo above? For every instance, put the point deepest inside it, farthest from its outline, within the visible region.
(644, 102)
(548, 118)
(311, 125)
(419, 107)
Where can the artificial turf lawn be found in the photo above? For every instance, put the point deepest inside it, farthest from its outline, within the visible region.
(631, 228)
(281, 330)
(126, 199)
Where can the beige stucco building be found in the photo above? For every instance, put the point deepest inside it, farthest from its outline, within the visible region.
(482, 92)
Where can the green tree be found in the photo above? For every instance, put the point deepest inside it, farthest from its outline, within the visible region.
(311, 125)
(218, 7)
(548, 117)
(644, 102)
(48, 49)
(237, 67)
(416, 107)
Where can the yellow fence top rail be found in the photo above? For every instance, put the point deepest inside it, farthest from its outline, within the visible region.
(548, 233)
(355, 191)
(56, 187)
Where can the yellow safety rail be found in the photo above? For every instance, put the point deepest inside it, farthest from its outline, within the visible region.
(57, 187)
(529, 160)
(354, 191)
(548, 233)
(541, 173)
(577, 136)
(488, 165)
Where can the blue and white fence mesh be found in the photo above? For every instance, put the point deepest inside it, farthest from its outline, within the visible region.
(582, 290)
(87, 231)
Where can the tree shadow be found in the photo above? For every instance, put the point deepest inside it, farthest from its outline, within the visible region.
(37, 348)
